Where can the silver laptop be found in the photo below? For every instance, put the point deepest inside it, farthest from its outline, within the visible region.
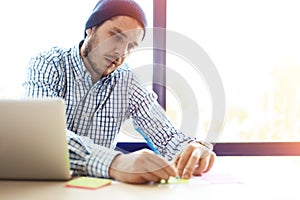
(33, 142)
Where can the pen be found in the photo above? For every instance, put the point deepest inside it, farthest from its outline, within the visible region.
(148, 141)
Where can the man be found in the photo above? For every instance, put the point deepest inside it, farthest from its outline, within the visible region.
(101, 92)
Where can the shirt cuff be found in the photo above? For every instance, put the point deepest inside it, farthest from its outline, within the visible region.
(88, 158)
(99, 162)
(174, 144)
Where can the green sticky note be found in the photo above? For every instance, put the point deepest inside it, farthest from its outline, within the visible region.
(174, 180)
(88, 182)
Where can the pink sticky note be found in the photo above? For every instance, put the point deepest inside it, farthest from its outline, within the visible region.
(220, 178)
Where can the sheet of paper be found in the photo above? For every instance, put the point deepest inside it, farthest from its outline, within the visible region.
(88, 182)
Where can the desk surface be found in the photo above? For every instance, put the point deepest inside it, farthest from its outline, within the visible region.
(270, 178)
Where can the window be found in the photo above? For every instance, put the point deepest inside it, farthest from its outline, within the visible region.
(255, 47)
(31, 26)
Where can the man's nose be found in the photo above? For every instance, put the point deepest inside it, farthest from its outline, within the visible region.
(120, 51)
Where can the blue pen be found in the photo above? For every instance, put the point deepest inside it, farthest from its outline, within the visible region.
(149, 143)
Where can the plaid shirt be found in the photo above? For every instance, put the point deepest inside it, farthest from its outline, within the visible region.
(95, 112)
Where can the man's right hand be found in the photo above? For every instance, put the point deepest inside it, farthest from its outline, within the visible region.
(142, 166)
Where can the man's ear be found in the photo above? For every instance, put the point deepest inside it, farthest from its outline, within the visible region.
(88, 31)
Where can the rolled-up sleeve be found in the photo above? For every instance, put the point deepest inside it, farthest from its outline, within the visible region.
(152, 120)
(87, 158)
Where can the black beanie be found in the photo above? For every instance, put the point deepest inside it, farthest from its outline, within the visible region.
(106, 9)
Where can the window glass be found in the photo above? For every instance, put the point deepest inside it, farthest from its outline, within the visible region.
(255, 47)
(31, 26)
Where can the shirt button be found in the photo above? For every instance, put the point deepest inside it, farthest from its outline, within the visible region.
(85, 115)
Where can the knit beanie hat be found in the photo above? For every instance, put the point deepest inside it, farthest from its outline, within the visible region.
(106, 9)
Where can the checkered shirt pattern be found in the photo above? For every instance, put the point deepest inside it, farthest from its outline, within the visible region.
(95, 112)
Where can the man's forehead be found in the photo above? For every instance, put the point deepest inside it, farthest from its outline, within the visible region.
(127, 30)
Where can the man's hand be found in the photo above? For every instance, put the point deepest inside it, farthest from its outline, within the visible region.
(194, 160)
(142, 166)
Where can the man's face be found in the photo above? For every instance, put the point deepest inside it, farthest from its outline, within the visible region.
(106, 46)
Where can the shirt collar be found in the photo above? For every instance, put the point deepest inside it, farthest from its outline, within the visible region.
(78, 67)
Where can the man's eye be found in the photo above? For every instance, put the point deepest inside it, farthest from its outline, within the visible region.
(118, 37)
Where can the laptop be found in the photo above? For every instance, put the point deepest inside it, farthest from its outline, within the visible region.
(33, 144)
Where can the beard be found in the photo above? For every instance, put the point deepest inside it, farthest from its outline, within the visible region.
(96, 63)
(86, 49)
(88, 54)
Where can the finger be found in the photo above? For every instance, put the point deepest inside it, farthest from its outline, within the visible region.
(182, 161)
(190, 166)
(135, 180)
(165, 172)
(159, 175)
(211, 161)
(150, 177)
(205, 164)
(160, 167)
(202, 166)
(152, 162)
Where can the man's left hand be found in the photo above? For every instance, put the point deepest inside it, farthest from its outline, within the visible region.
(195, 159)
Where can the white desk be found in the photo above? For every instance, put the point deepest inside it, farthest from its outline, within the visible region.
(266, 178)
